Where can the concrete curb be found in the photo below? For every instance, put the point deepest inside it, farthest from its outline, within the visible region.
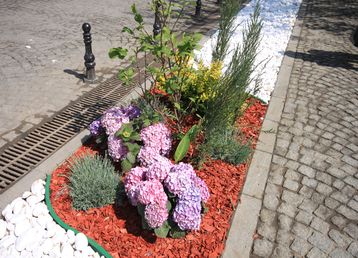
(240, 238)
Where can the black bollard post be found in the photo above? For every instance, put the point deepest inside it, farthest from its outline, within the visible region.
(157, 26)
(198, 8)
(89, 57)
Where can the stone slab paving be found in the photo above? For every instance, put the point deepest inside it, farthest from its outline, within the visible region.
(310, 203)
(41, 53)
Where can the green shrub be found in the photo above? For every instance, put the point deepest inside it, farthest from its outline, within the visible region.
(223, 145)
(93, 182)
(232, 90)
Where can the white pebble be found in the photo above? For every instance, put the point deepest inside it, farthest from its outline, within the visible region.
(7, 212)
(67, 250)
(21, 227)
(71, 236)
(26, 194)
(39, 209)
(47, 245)
(7, 241)
(19, 206)
(34, 199)
(81, 242)
(10, 227)
(2, 228)
(25, 240)
(37, 187)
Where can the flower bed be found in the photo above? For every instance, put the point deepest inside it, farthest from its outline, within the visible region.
(118, 228)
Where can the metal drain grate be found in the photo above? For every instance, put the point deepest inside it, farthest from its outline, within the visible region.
(28, 152)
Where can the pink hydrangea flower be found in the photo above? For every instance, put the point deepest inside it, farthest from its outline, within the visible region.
(135, 176)
(116, 149)
(155, 215)
(147, 156)
(150, 192)
(159, 169)
(157, 136)
(113, 119)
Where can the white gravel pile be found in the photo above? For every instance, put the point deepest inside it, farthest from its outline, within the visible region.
(28, 230)
(278, 18)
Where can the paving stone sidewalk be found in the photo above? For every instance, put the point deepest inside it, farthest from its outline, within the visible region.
(310, 205)
(41, 53)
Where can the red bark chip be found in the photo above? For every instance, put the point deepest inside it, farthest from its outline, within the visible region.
(118, 229)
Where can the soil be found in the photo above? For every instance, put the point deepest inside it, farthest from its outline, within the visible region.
(118, 228)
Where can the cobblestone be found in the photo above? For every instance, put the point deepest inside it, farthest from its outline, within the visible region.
(313, 180)
(320, 225)
(340, 239)
(353, 249)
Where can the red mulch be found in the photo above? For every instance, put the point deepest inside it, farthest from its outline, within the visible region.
(119, 230)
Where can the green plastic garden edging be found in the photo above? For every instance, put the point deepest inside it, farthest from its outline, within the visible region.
(99, 249)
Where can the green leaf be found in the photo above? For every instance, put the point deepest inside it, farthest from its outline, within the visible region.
(126, 165)
(162, 231)
(182, 148)
(169, 206)
(177, 233)
(119, 52)
(128, 30)
(131, 158)
(140, 209)
(177, 105)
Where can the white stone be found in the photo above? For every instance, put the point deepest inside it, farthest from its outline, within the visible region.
(7, 212)
(90, 251)
(37, 187)
(47, 245)
(19, 206)
(26, 254)
(26, 194)
(6, 241)
(71, 236)
(25, 240)
(3, 230)
(96, 255)
(10, 227)
(22, 226)
(39, 209)
(77, 254)
(67, 250)
(37, 252)
(13, 253)
(34, 199)
(81, 242)
(17, 218)
(55, 251)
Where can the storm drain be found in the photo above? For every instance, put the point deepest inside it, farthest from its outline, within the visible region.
(28, 152)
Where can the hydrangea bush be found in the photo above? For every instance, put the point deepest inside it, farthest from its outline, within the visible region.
(169, 196)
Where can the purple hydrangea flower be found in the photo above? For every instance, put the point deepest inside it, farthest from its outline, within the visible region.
(177, 183)
(204, 191)
(184, 168)
(132, 112)
(113, 119)
(116, 149)
(95, 127)
(157, 136)
(151, 192)
(159, 169)
(155, 215)
(187, 212)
